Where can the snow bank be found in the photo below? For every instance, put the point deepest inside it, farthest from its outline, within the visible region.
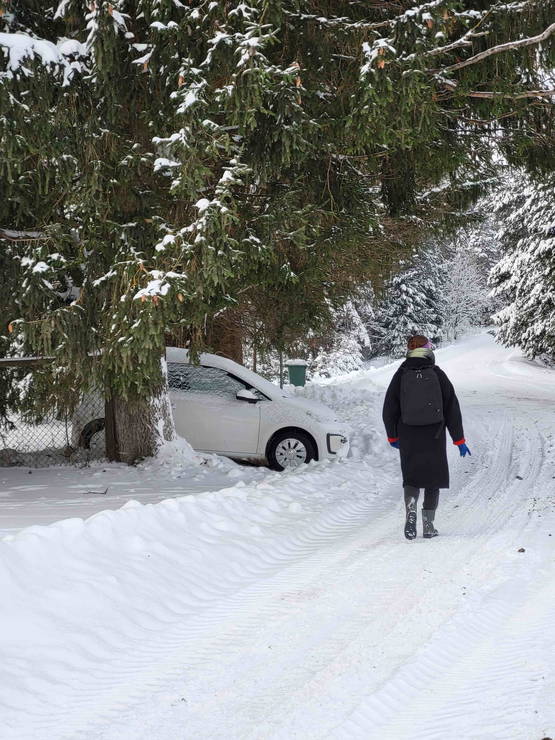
(81, 596)
(360, 410)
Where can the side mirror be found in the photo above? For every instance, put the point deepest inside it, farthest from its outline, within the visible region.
(248, 396)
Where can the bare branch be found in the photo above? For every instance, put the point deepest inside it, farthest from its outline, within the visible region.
(23, 361)
(465, 40)
(516, 96)
(21, 236)
(509, 46)
(452, 88)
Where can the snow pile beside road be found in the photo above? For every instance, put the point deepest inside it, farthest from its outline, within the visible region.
(80, 596)
(43, 496)
(362, 411)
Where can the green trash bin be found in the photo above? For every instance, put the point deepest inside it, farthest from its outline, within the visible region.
(297, 371)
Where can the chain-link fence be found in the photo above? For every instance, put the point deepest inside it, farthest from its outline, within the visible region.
(75, 439)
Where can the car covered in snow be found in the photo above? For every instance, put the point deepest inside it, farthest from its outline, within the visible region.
(222, 407)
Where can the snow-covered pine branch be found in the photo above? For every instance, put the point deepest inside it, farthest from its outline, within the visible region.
(21, 236)
(501, 48)
(20, 50)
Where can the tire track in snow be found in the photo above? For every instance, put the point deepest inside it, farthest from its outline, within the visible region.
(397, 598)
(476, 659)
(335, 647)
(480, 664)
(413, 595)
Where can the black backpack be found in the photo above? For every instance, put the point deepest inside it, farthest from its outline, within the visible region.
(421, 397)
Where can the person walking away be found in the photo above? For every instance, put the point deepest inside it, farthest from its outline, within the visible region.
(420, 403)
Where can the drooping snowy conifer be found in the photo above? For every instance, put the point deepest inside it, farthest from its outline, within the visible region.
(184, 161)
(345, 348)
(406, 309)
(524, 278)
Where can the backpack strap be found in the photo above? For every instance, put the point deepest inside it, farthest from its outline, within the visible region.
(442, 422)
(440, 427)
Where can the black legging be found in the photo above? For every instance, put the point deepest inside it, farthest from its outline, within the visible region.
(431, 496)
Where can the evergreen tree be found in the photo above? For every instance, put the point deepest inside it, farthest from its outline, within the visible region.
(197, 174)
(433, 274)
(407, 308)
(440, 80)
(524, 277)
(365, 304)
(344, 350)
(180, 162)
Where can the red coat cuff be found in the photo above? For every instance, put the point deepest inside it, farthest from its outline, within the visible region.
(460, 441)
(393, 439)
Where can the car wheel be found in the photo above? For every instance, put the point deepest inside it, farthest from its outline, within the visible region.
(88, 432)
(289, 449)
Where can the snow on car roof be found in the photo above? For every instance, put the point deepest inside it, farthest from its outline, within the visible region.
(178, 354)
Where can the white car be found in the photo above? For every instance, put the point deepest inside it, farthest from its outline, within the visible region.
(220, 406)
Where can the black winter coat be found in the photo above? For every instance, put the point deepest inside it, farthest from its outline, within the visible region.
(423, 452)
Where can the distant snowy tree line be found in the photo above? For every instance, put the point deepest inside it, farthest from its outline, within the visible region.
(499, 270)
(441, 292)
(228, 175)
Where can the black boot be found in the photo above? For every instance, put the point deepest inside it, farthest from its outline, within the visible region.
(429, 530)
(410, 522)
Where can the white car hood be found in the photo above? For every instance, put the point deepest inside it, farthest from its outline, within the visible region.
(318, 409)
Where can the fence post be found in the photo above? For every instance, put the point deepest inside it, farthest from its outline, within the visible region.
(110, 429)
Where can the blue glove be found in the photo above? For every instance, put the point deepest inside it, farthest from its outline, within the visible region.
(463, 449)
(395, 444)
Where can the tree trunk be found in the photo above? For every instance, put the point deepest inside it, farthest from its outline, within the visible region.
(225, 337)
(110, 429)
(398, 182)
(142, 425)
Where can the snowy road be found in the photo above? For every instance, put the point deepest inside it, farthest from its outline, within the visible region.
(292, 607)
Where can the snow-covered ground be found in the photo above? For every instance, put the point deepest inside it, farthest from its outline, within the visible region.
(44, 495)
(290, 605)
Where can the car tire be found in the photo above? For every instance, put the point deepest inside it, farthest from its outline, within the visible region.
(294, 446)
(88, 432)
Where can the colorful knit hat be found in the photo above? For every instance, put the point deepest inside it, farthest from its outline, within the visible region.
(419, 340)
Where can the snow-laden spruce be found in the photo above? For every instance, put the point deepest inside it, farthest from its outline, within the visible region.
(308, 136)
(524, 278)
